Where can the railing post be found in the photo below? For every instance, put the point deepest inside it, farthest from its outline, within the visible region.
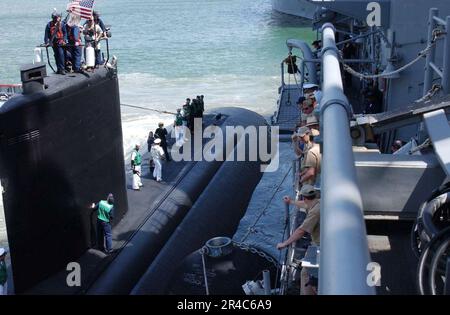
(282, 74)
(344, 251)
(446, 68)
(428, 81)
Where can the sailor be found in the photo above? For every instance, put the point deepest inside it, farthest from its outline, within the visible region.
(3, 272)
(74, 36)
(162, 133)
(311, 225)
(56, 36)
(150, 141)
(105, 215)
(307, 110)
(202, 105)
(192, 114)
(291, 60)
(197, 107)
(312, 91)
(317, 45)
(178, 125)
(396, 145)
(312, 158)
(98, 21)
(136, 162)
(157, 154)
(93, 34)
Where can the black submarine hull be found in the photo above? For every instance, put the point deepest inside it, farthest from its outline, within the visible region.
(207, 189)
(61, 148)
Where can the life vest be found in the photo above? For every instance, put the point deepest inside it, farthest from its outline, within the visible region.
(178, 120)
(56, 33)
(72, 39)
(137, 159)
(104, 209)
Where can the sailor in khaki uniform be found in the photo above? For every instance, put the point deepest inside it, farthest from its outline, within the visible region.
(310, 225)
(312, 158)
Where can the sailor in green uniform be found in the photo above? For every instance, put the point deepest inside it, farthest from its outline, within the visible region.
(178, 125)
(3, 272)
(136, 162)
(105, 215)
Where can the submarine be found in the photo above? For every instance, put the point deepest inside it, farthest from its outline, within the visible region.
(61, 149)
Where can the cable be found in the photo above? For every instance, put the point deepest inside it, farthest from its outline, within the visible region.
(146, 108)
(423, 53)
(434, 263)
(250, 229)
(423, 266)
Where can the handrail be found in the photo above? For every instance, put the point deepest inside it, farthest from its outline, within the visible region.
(430, 64)
(344, 254)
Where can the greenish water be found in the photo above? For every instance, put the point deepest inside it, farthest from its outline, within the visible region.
(168, 50)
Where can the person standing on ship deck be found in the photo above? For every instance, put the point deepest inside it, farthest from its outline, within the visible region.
(162, 133)
(74, 35)
(56, 36)
(136, 162)
(310, 164)
(157, 155)
(310, 225)
(105, 216)
(3, 272)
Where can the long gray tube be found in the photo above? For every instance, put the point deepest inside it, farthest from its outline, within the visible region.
(307, 54)
(216, 212)
(132, 262)
(344, 253)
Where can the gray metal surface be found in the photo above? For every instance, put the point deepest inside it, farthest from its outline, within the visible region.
(396, 184)
(344, 249)
(439, 132)
(288, 112)
(311, 74)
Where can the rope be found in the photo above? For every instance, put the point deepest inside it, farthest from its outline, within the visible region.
(205, 276)
(251, 228)
(146, 108)
(423, 53)
(295, 78)
(434, 89)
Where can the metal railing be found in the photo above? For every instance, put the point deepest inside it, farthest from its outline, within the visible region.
(344, 254)
(430, 66)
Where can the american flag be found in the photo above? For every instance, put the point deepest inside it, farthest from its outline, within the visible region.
(83, 8)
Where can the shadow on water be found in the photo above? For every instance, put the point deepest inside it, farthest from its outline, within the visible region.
(275, 18)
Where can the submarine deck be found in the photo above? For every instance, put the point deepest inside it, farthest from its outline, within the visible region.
(142, 205)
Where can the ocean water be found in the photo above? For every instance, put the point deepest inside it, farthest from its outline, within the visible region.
(230, 51)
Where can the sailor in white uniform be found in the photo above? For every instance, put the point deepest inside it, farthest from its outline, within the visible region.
(136, 162)
(157, 154)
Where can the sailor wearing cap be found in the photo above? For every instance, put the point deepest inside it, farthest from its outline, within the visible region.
(56, 37)
(105, 215)
(311, 203)
(136, 162)
(312, 158)
(157, 154)
(311, 90)
(310, 225)
(3, 272)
